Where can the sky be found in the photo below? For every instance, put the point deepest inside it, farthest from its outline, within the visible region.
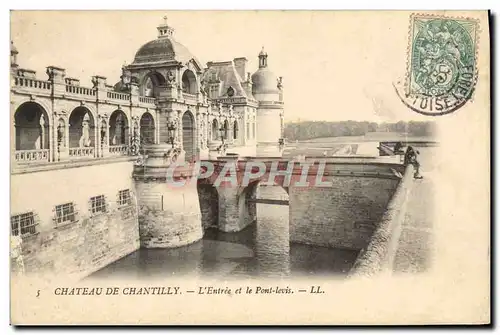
(335, 65)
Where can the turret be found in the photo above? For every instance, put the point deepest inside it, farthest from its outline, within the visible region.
(267, 89)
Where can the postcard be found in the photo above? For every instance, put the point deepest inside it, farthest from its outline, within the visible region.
(250, 167)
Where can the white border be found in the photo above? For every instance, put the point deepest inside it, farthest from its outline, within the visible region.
(494, 5)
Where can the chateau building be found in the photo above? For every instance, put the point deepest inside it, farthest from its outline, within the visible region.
(75, 205)
(164, 88)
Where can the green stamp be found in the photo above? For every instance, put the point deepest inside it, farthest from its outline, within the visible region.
(442, 69)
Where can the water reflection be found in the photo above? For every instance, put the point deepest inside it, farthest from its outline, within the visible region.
(260, 250)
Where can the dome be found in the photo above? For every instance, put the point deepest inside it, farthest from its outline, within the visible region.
(264, 81)
(163, 50)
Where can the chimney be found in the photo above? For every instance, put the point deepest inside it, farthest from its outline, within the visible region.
(240, 64)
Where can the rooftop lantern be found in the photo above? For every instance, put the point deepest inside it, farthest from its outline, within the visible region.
(164, 30)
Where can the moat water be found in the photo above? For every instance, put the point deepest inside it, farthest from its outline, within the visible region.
(262, 249)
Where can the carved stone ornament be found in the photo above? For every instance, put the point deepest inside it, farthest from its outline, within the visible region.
(61, 113)
(230, 91)
(170, 76)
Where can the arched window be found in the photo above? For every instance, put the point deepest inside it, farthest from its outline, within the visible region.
(32, 127)
(215, 130)
(82, 133)
(149, 88)
(150, 84)
(147, 128)
(118, 128)
(226, 129)
(235, 130)
(188, 143)
(189, 82)
(81, 128)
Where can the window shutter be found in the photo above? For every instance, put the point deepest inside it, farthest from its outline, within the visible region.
(90, 207)
(75, 211)
(105, 200)
(36, 221)
(54, 215)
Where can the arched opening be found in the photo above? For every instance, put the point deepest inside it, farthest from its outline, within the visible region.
(189, 82)
(118, 129)
(215, 130)
(147, 126)
(31, 133)
(226, 129)
(235, 130)
(81, 133)
(151, 84)
(188, 135)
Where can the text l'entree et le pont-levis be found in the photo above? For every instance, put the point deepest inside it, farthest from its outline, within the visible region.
(176, 290)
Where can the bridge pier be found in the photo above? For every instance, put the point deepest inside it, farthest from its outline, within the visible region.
(235, 212)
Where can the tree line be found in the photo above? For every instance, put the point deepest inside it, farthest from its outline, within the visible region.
(307, 130)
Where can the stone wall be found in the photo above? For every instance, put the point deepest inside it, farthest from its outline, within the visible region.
(92, 241)
(341, 216)
(380, 253)
(83, 247)
(209, 205)
(169, 216)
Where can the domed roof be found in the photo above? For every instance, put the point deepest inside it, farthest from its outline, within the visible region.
(264, 81)
(162, 50)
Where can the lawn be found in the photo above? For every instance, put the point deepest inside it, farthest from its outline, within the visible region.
(369, 137)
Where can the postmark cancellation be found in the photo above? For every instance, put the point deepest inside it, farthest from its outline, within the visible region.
(441, 63)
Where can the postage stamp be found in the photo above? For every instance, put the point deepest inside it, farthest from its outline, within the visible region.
(442, 63)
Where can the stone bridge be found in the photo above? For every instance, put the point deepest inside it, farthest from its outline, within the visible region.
(334, 202)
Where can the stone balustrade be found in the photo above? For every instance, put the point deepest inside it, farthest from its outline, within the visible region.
(39, 155)
(30, 83)
(84, 152)
(190, 97)
(80, 90)
(118, 96)
(71, 87)
(119, 150)
(147, 100)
